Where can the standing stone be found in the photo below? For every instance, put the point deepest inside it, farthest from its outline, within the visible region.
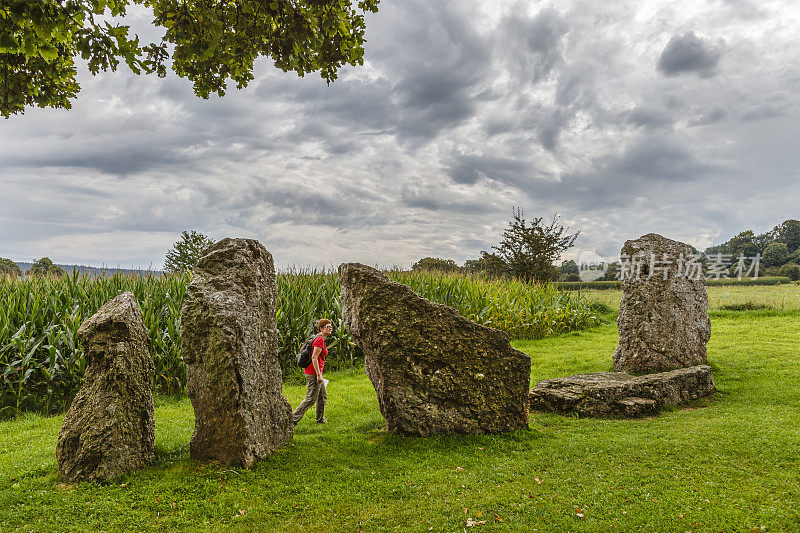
(434, 371)
(109, 428)
(230, 346)
(663, 319)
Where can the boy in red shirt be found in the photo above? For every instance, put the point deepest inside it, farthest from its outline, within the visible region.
(315, 386)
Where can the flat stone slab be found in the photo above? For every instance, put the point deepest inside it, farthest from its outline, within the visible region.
(618, 394)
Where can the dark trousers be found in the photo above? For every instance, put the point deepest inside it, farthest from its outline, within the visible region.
(315, 393)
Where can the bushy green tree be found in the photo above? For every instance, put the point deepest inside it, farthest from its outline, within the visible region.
(487, 263)
(435, 263)
(212, 41)
(746, 242)
(45, 267)
(775, 254)
(788, 232)
(791, 271)
(9, 267)
(528, 249)
(568, 267)
(612, 273)
(186, 252)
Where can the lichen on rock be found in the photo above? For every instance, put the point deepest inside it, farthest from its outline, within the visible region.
(618, 394)
(230, 346)
(434, 371)
(663, 318)
(109, 428)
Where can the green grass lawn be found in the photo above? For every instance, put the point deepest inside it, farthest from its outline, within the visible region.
(728, 464)
(776, 297)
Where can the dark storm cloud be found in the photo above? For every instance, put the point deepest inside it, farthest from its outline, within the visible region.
(688, 53)
(425, 85)
(434, 100)
(651, 164)
(438, 69)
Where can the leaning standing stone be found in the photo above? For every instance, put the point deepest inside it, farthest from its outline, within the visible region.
(434, 371)
(109, 427)
(230, 346)
(663, 318)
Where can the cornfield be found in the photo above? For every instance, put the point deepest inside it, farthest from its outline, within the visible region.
(42, 362)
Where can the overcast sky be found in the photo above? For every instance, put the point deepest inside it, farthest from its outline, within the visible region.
(624, 117)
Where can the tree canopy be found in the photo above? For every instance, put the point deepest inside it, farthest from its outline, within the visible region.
(45, 267)
(788, 232)
(186, 252)
(775, 254)
(211, 42)
(9, 267)
(435, 263)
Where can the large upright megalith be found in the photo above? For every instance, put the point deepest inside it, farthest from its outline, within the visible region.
(109, 427)
(663, 318)
(230, 346)
(434, 371)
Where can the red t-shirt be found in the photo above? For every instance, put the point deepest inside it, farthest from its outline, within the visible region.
(319, 342)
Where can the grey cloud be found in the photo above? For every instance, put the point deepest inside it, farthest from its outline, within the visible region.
(689, 53)
(453, 117)
(762, 112)
(110, 158)
(651, 118)
(469, 169)
(648, 166)
(420, 195)
(541, 37)
(712, 117)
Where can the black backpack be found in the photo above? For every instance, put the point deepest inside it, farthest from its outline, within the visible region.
(304, 357)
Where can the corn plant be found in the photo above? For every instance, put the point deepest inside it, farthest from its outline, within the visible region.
(42, 362)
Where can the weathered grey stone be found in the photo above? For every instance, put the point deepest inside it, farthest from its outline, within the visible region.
(230, 346)
(617, 394)
(434, 371)
(109, 428)
(663, 318)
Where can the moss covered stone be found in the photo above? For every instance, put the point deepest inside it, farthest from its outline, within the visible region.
(435, 372)
(109, 428)
(230, 346)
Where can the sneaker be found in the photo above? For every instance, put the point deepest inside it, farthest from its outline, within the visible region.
(323, 421)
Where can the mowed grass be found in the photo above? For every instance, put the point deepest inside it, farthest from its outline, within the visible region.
(731, 463)
(775, 297)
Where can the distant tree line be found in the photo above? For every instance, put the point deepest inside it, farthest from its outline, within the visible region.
(529, 250)
(42, 267)
(779, 249)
